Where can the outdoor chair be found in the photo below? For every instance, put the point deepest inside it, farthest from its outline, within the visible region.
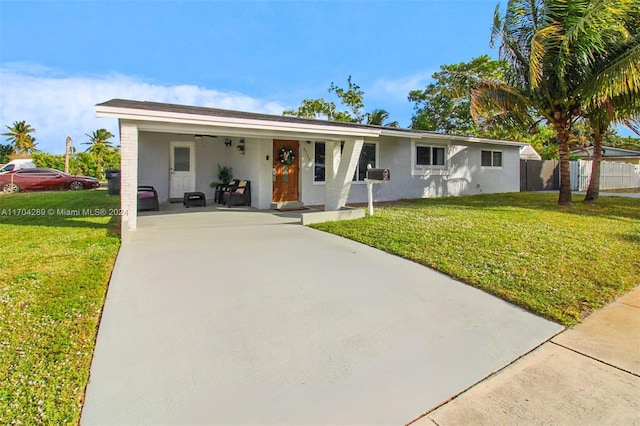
(218, 195)
(147, 198)
(238, 196)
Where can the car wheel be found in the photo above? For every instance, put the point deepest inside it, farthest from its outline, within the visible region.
(10, 187)
(76, 186)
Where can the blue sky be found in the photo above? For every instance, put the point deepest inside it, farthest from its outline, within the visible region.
(59, 58)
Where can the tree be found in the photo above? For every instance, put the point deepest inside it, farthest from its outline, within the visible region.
(550, 46)
(352, 98)
(19, 136)
(621, 107)
(378, 117)
(100, 148)
(444, 106)
(5, 152)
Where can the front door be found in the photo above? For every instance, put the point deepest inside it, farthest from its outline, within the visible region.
(182, 176)
(285, 171)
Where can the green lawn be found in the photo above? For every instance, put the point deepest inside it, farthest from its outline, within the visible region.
(559, 262)
(54, 270)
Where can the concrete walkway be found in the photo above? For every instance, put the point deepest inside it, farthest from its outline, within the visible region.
(245, 317)
(587, 375)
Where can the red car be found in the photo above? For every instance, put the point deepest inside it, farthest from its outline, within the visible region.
(44, 180)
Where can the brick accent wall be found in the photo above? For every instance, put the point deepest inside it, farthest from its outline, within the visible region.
(129, 175)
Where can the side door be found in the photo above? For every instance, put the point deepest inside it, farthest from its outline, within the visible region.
(182, 172)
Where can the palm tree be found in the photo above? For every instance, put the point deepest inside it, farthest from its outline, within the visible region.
(100, 145)
(600, 119)
(551, 46)
(19, 136)
(378, 117)
(620, 107)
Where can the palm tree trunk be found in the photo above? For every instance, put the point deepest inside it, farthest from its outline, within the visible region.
(563, 152)
(594, 181)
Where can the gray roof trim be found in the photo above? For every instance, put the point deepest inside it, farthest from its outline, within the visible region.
(164, 109)
(609, 151)
(225, 113)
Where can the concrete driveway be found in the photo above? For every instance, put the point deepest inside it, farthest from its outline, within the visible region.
(246, 317)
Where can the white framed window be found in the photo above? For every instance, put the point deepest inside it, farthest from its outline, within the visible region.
(368, 156)
(318, 162)
(429, 159)
(491, 158)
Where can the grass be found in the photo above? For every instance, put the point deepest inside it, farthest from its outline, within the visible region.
(54, 271)
(624, 191)
(559, 262)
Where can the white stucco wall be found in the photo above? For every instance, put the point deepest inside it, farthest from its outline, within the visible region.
(154, 157)
(463, 175)
(253, 165)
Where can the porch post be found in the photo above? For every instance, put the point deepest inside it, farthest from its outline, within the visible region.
(128, 176)
(338, 179)
(332, 162)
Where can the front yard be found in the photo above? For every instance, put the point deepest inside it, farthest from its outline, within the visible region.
(559, 262)
(55, 265)
(59, 249)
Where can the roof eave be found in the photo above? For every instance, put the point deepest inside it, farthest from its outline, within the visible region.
(135, 114)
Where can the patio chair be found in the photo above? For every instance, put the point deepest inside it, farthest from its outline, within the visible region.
(238, 196)
(147, 198)
(221, 188)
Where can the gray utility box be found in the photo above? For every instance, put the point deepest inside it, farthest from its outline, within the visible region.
(378, 174)
(113, 181)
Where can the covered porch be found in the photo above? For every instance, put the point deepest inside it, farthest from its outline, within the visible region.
(178, 152)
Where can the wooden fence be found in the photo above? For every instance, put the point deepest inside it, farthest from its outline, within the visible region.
(612, 175)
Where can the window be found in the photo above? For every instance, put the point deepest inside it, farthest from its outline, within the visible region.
(491, 159)
(181, 159)
(368, 156)
(430, 155)
(319, 164)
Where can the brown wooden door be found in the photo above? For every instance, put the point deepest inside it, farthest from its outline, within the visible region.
(285, 178)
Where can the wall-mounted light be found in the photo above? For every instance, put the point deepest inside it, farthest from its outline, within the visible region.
(227, 142)
(241, 146)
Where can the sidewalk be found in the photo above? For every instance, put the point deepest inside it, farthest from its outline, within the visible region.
(587, 375)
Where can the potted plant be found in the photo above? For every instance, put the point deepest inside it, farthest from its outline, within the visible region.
(225, 174)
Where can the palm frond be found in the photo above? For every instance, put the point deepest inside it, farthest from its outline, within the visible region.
(501, 104)
(618, 75)
(540, 43)
(634, 125)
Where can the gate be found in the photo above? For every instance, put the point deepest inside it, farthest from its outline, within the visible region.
(539, 175)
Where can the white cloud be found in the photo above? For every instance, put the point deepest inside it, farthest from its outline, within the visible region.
(397, 89)
(58, 106)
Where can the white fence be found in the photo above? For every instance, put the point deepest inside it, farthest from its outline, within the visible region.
(612, 175)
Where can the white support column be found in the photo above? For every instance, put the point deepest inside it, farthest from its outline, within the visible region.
(129, 176)
(338, 181)
(332, 156)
